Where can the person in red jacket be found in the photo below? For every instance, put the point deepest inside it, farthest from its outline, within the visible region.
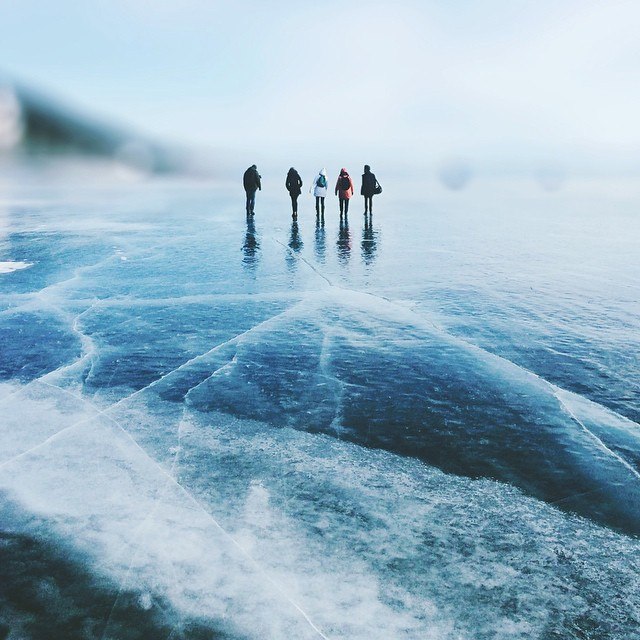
(344, 190)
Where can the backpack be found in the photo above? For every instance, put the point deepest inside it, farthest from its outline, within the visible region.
(321, 181)
(345, 183)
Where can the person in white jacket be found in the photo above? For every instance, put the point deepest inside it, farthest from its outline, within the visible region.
(319, 190)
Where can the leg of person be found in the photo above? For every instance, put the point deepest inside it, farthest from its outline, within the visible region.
(322, 205)
(370, 205)
(317, 205)
(366, 205)
(346, 206)
(248, 203)
(341, 206)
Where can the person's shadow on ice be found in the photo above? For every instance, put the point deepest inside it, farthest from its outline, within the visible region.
(320, 240)
(369, 244)
(295, 244)
(251, 246)
(344, 242)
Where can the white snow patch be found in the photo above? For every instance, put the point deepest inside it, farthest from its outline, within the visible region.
(8, 267)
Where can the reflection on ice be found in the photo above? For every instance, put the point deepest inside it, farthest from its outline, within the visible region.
(344, 242)
(251, 246)
(295, 244)
(369, 242)
(320, 241)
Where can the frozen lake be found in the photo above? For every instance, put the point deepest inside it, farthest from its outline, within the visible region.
(425, 427)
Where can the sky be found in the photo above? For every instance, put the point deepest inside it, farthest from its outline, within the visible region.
(457, 79)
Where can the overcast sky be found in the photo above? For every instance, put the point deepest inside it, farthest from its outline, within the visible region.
(460, 77)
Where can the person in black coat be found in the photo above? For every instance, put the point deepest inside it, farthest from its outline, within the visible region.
(369, 188)
(294, 187)
(251, 181)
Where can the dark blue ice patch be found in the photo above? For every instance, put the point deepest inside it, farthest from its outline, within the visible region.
(137, 343)
(32, 344)
(592, 351)
(426, 395)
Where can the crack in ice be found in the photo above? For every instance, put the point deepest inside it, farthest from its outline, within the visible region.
(233, 340)
(226, 365)
(297, 256)
(592, 435)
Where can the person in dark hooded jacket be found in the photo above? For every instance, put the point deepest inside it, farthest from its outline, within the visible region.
(369, 188)
(294, 187)
(251, 182)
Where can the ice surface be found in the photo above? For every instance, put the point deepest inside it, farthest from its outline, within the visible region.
(424, 427)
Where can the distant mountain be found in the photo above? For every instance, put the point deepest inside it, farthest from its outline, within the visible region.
(34, 124)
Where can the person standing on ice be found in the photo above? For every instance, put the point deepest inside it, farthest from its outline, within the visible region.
(369, 188)
(294, 187)
(251, 181)
(319, 190)
(344, 190)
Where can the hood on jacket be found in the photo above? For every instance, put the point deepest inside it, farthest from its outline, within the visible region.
(367, 168)
(344, 172)
(323, 172)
